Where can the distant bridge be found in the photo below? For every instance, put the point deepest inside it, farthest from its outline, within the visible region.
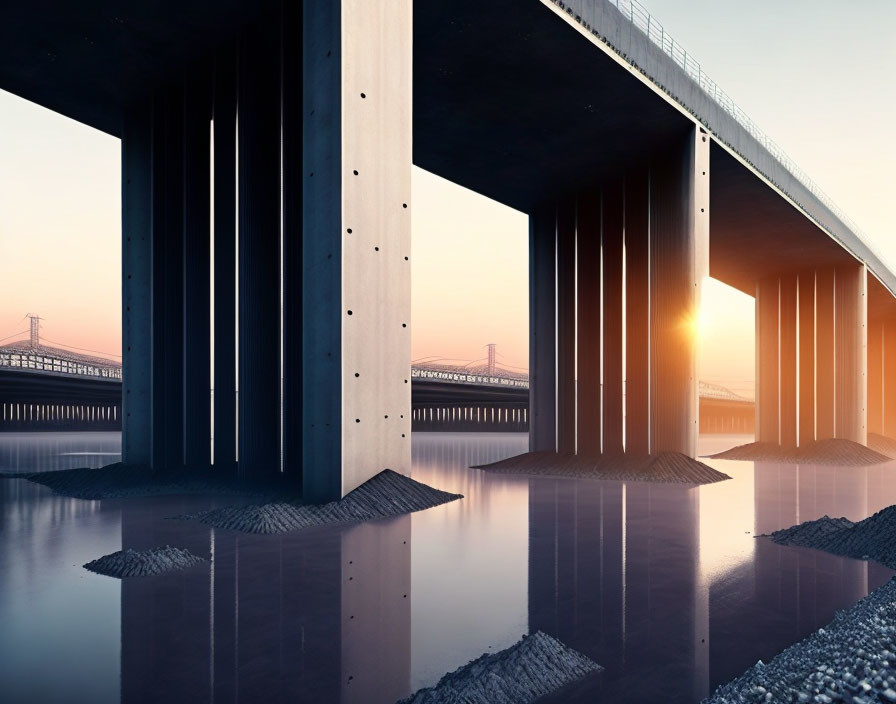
(51, 388)
(458, 398)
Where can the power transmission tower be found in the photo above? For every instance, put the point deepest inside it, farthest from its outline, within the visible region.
(35, 330)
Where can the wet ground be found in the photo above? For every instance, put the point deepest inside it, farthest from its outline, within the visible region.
(665, 586)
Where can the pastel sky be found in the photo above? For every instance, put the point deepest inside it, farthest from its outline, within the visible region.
(816, 75)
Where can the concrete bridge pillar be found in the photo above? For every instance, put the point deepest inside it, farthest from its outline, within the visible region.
(888, 335)
(197, 252)
(679, 253)
(318, 256)
(356, 290)
(767, 342)
(806, 356)
(258, 252)
(811, 356)
(588, 324)
(787, 359)
(136, 284)
(825, 376)
(167, 319)
(613, 307)
(566, 325)
(637, 312)
(876, 377)
(851, 313)
(542, 330)
(224, 210)
(655, 226)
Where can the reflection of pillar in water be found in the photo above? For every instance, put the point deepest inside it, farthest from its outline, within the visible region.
(575, 566)
(289, 617)
(613, 573)
(776, 502)
(664, 611)
(376, 612)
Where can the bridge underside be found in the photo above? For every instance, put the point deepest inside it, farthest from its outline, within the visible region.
(515, 100)
(552, 122)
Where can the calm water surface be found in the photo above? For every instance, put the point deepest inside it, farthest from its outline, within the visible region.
(665, 586)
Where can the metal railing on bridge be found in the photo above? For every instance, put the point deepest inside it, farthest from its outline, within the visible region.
(638, 15)
(461, 377)
(43, 363)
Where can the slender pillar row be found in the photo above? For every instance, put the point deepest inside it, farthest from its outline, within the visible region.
(811, 356)
(615, 278)
(266, 236)
(882, 376)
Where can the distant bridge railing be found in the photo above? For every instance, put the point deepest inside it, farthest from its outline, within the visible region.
(43, 363)
(638, 15)
(453, 377)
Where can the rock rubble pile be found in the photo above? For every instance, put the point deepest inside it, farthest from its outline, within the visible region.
(533, 667)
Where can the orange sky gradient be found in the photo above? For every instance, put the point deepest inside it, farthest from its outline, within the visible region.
(60, 227)
(60, 253)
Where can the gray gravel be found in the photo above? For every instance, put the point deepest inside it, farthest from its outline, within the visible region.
(386, 494)
(842, 453)
(146, 563)
(663, 467)
(533, 667)
(871, 539)
(852, 660)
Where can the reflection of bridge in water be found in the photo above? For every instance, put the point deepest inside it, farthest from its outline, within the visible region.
(493, 398)
(644, 578)
(51, 388)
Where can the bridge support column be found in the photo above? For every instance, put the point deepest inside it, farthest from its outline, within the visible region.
(876, 377)
(356, 246)
(566, 326)
(136, 283)
(168, 281)
(225, 260)
(588, 259)
(851, 312)
(259, 253)
(806, 345)
(197, 355)
(811, 356)
(824, 354)
(679, 253)
(889, 378)
(323, 235)
(542, 330)
(637, 313)
(613, 232)
(787, 360)
(292, 241)
(767, 425)
(667, 221)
